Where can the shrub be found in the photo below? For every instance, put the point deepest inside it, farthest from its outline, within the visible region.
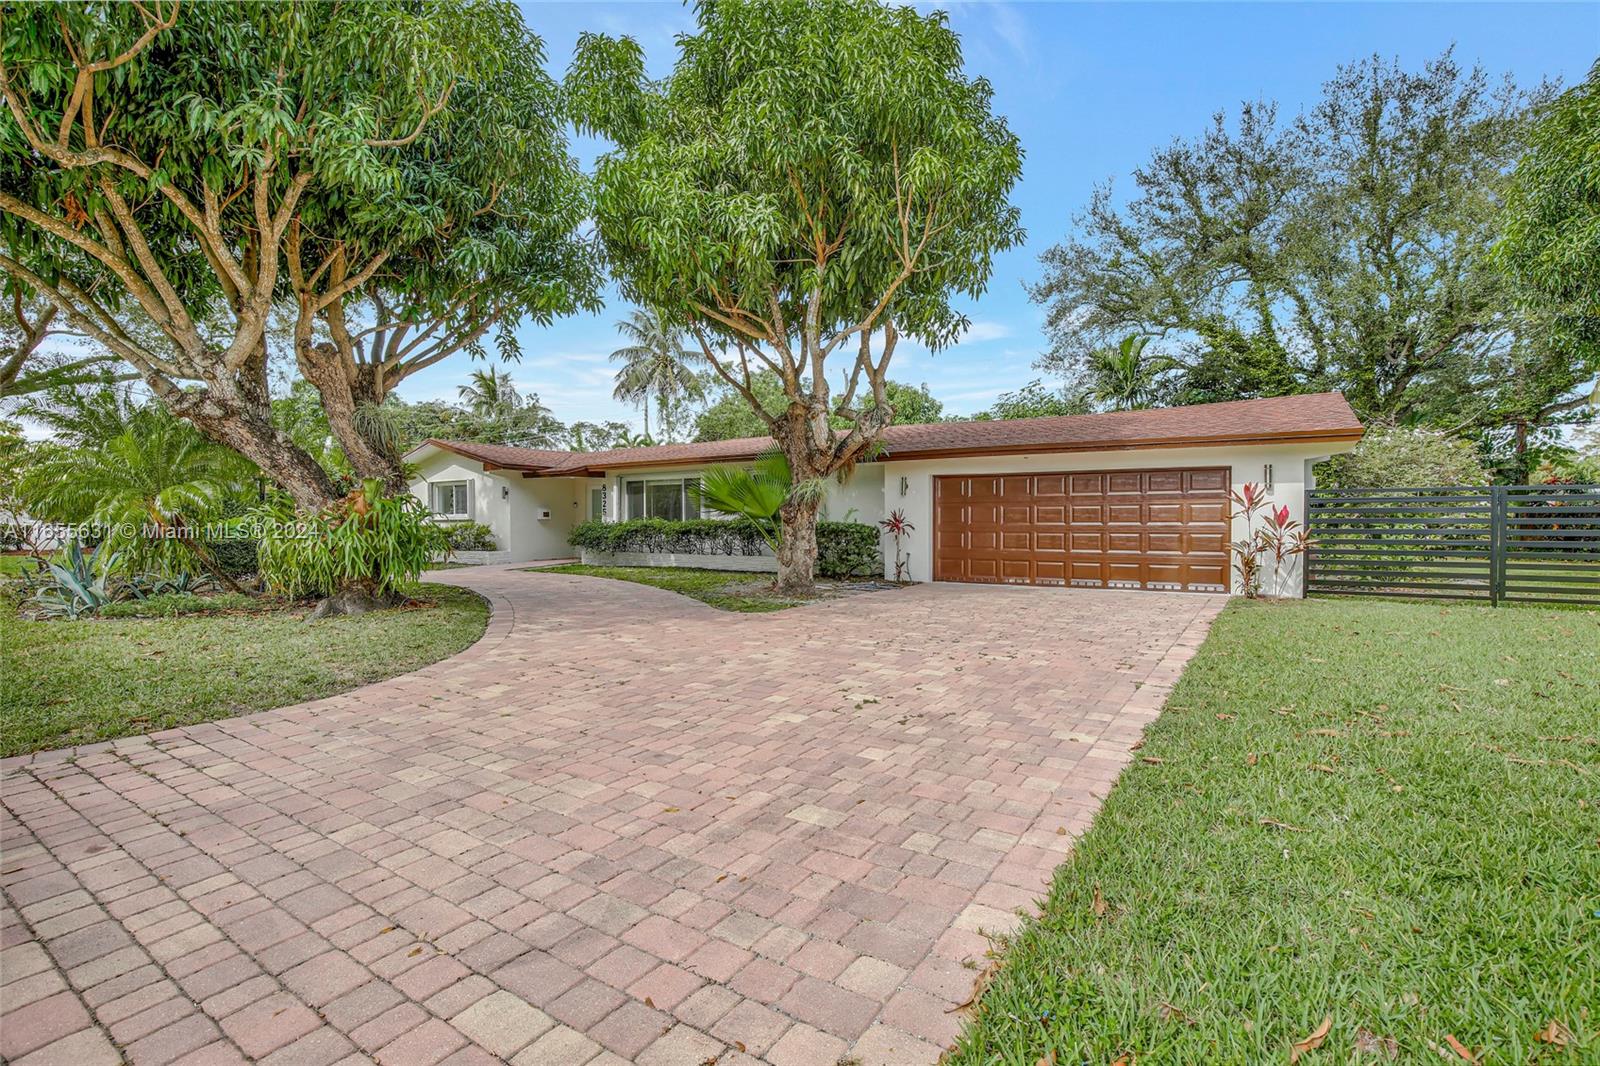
(235, 553)
(844, 549)
(372, 541)
(469, 537)
(1398, 457)
(848, 549)
(691, 536)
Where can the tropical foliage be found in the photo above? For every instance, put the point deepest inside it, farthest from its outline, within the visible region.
(811, 181)
(147, 482)
(655, 365)
(755, 493)
(373, 543)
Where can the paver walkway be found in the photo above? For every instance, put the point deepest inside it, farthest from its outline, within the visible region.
(622, 827)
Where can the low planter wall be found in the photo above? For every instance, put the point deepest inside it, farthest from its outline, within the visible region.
(470, 558)
(764, 563)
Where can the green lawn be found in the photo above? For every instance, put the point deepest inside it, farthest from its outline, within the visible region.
(15, 565)
(64, 683)
(1383, 813)
(727, 590)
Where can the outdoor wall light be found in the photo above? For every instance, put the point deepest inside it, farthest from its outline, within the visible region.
(505, 492)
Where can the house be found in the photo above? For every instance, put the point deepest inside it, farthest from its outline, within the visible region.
(1130, 499)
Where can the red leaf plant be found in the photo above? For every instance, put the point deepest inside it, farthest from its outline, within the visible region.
(1277, 537)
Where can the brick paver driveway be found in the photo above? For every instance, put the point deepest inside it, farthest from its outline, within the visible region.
(622, 827)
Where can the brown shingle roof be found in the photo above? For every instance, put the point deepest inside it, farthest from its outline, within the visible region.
(1317, 416)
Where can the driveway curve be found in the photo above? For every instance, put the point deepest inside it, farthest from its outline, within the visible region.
(622, 827)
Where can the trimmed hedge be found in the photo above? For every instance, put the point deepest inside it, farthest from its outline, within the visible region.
(469, 537)
(844, 549)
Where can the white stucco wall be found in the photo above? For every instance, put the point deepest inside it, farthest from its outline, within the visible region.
(487, 505)
(511, 505)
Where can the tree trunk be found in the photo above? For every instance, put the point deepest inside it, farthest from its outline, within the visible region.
(797, 548)
(354, 600)
(258, 440)
(325, 367)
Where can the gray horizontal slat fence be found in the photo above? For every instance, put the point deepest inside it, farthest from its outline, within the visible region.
(1502, 544)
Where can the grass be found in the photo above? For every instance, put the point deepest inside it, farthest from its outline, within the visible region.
(15, 565)
(726, 590)
(67, 683)
(1383, 813)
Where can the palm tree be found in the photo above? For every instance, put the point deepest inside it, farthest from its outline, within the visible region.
(148, 488)
(1124, 378)
(656, 365)
(490, 393)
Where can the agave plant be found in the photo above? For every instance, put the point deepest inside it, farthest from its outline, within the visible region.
(755, 493)
(77, 588)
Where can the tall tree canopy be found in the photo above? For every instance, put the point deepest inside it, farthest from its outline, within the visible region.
(1348, 248)
(812, 181)
(1551, 244)
(730, 416)
(393, 173)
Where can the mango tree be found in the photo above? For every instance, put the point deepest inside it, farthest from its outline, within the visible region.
(812, 182)
(392, 176)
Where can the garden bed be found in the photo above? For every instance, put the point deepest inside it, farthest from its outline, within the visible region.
(169, 661)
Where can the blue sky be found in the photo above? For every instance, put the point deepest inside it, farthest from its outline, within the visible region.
(1091, 89)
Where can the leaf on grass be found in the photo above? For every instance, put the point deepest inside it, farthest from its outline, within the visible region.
(1047, 1059)
(1153, 761)
(1226, 717)
(1465, 1053)
(1169, 1013)
(1321, 768)
(1555, 1034)
(1322, 732)
(1370, 1043)
(979, 983)
(1312, 1042)
(1251, 759)
(1099, 903)
(1275, 824)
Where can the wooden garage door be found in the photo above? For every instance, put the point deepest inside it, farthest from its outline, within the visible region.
(1152, 529)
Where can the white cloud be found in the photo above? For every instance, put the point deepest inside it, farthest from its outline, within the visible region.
(982, 331)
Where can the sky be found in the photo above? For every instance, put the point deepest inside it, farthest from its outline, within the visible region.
(1091, 89)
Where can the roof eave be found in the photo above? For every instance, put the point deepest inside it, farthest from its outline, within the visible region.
(1350, 435)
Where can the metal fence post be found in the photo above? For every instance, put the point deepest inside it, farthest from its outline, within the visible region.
(1497, 543)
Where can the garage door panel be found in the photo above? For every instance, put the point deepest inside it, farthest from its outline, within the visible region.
(1159, 481)
(1125, 528)
(1165, 541)
(1132, 482)
(1130, 541)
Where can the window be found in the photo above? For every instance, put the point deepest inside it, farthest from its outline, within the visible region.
(670, 498)
(452, 499)
(597, 505)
